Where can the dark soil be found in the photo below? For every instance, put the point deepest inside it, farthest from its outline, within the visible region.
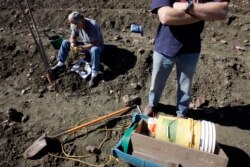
(222, 78)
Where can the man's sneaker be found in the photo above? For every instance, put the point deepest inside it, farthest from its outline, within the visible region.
(149, 111)
(93, 82)
(58, 66)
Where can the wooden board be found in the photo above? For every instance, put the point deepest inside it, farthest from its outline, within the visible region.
(163, 153)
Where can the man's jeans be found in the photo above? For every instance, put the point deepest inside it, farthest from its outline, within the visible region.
(95, 53)
(185, 68)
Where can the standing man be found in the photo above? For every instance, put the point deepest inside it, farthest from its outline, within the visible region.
(178, 42)
(92, 41)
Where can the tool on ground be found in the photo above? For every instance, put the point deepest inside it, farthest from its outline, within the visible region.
(41, 143)
(55, 40)
(38, 42)
(139, 109)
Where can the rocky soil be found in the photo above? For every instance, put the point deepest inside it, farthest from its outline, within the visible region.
(222, 80)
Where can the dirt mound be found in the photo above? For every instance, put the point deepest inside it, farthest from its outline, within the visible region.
(222, 78)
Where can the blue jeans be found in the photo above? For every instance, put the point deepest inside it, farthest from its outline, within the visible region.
(95, 53)
(185, 68)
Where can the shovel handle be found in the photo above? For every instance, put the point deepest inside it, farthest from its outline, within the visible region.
(121, 111)
(46, 34)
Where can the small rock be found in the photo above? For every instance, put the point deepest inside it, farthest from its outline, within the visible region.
(92, 149)
(241, 48)
(151, 41)
(23, 91)
(24, 118)
(7, 123)
(117, 38)
(114, 133)
(14, 115)
(191, 105)
(246, 41)
(134, 85)
(26, 11)
(131, 100)
(31, 70)
(140, 51)
(41, 90)
(200, 101)
(52, 58)
(223, 41)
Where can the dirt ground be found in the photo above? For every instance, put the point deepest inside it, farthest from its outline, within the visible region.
(222, 78)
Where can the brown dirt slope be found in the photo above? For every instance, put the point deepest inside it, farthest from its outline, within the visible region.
(222, 78)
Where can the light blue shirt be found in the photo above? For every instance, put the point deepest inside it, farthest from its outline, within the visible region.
(91, 33)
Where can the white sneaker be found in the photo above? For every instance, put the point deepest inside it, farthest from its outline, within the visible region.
(58, 65)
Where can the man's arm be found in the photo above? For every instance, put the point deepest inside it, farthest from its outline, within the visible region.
(209, 11)
(89, 45)
(72, 39)
(171, 16)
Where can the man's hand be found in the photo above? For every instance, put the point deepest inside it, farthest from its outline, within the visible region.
(75, 49)
(72, 44)
(182, 6)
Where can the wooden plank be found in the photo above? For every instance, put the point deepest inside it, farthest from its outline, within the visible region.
(167, 152)
(154, 159)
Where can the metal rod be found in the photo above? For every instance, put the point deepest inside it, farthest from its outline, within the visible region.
(44, 60)
(39, 39)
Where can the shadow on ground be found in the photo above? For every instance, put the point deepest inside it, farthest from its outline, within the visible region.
(227, 116)
(117, 61)
(236, 156)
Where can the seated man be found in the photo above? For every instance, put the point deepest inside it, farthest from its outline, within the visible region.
(92, 41)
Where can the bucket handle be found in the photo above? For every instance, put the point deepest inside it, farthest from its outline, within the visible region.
(168, 132)
(47, 35)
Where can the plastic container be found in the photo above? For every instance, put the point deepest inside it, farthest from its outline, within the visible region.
(152, 124)
(181, 131)
(200, 135)
(137, 28)
(55, 40)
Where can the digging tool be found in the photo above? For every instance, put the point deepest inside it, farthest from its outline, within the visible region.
(42, 142)
(38, 42)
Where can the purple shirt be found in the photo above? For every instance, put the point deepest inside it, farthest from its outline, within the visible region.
(171, 40)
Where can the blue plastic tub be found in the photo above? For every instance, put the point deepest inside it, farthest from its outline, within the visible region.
(118, 150)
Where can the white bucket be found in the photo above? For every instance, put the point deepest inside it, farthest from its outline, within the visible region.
(208, 137)
(200, 135)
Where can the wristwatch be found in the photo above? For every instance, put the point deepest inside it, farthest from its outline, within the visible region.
(189, 6)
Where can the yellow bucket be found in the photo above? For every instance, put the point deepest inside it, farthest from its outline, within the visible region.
(181, 131)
